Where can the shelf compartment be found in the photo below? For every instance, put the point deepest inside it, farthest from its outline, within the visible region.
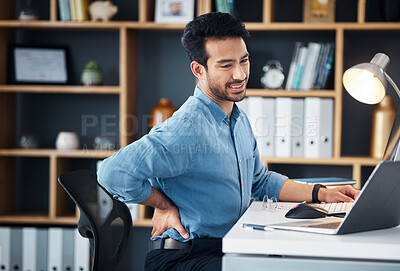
(54, 89)
(250, 13)
(83, 46)
(31, 195)
(7, 185)
(24, 186)
(290, 93)
(347, 11)
(61, 204)
(269, 45)
(378, 11)
(7, 119)
(44, 115)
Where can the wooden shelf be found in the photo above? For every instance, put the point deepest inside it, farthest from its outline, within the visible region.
(100, 154)
(321, 26)
(39, 219)
(61, 89)
(261, 26)
(112, 25)
(290, 93)
(346, 160)
(43, 219)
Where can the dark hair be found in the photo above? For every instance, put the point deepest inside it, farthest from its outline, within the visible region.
(211, 25)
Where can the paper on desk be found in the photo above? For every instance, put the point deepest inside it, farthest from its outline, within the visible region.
(255, 214)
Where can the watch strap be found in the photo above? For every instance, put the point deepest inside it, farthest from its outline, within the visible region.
(315, 192)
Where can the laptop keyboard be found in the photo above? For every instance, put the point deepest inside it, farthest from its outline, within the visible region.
(330, 225)
(334, 208)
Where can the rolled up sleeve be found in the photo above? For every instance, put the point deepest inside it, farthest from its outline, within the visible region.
(167, 151)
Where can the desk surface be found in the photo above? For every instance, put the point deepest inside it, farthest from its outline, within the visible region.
(373, 245)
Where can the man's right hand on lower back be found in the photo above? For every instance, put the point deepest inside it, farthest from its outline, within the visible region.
(166, 215)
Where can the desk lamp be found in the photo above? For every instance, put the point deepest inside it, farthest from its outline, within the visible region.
(366, 82)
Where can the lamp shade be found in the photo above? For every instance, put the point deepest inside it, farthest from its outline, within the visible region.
(366, 82)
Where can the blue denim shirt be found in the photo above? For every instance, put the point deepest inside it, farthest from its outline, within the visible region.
(205, 162)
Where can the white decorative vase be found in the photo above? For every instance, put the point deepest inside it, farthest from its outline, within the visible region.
(67, 141)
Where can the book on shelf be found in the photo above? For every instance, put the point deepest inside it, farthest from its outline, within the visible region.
(72, 10)
(81, 10)
(293, 64)
(225, 6)
(327, 181)
(325, 69)
(231, 4)
(320, 63)
(300, 68)
(63, 9)
(311, 66)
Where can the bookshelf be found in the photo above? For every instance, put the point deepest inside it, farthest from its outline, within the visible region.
(125, 88)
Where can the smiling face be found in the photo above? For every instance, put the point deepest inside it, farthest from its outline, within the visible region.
(227, 73)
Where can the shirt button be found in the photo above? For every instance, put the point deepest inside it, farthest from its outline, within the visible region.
(240, 160)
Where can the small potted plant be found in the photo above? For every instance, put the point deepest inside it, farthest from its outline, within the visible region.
(91, 74)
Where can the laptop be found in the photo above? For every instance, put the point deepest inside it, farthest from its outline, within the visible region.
(376, 207)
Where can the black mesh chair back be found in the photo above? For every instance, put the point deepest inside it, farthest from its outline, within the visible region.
(104, 220)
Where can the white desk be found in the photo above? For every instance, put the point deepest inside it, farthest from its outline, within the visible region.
(248, 249)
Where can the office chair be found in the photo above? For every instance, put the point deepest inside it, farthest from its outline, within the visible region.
(104, 220)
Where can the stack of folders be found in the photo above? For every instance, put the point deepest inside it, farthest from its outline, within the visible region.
(310, 66)
(73, 10)
(327, 181)
(32, 248)
(291, 127)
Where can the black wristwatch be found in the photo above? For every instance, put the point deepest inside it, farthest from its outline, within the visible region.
(315, 192)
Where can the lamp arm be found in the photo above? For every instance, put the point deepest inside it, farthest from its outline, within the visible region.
(393, 84)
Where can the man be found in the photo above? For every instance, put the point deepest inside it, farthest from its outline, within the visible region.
(200, 168)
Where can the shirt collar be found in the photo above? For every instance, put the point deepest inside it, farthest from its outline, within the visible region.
(235, 112)
(215, 110)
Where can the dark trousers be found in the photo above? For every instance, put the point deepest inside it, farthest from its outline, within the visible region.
(200, 255)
